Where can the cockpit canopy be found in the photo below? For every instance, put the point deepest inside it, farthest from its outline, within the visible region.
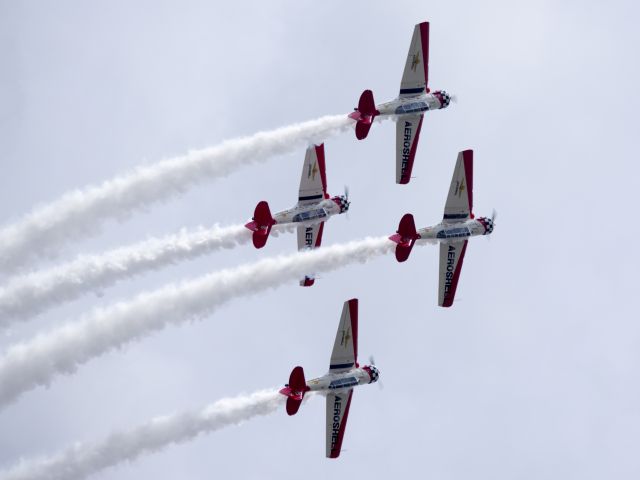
(310, 215)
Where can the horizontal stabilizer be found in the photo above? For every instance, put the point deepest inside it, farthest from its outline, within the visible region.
(261, 224)
(405, 237)
(364, 114)
(293, 405)
(366, 104)
(307, 281)
(362, 129)
(295, 390)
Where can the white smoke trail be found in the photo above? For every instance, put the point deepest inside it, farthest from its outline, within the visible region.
(36, 362)
(80, 212)
(27, 295)
(83, 459)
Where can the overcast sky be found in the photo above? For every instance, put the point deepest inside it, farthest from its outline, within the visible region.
(533, 374)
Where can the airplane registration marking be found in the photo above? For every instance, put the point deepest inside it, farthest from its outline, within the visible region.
(337, 409)
(451, 258)
(415, 61)
(406, 146)
(308, 237)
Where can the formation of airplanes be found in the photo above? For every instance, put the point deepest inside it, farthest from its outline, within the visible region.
(315, 206)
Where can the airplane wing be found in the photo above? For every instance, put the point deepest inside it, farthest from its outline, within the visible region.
(309, 237)
(415, 78)
(451, 257)
(460, 200)
(313, 182)
(345, 347)
(337, 413)
(407, 136)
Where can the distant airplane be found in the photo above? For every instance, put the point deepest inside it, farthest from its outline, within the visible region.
(344, 374)
(414, 99)
(313, 208)
(457, 225)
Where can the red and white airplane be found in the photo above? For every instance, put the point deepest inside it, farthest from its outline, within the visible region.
(344, 374)
(313, 208)
(452, 233)
(414, 99)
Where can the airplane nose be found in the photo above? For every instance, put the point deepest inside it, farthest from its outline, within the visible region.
(374, 373)
(446, 99)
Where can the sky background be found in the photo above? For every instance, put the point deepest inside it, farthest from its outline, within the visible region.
(533, 374)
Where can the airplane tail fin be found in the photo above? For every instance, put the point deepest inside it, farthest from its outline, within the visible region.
(261, 224)
(364, 114)
(295, 390)
(405, 237)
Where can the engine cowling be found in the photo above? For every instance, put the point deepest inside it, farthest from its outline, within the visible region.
(342, 202)
(373, 372)
(443, 97)
(487, 223)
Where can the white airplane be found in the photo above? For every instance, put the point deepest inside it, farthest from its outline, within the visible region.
(344, 374)
(452, 233)
(313, 208)
(414, 99)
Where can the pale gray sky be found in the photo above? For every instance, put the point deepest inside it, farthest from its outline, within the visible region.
(533, 373)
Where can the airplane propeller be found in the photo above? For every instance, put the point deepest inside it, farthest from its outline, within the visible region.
(494, 214)
(346, 197)
(372, 361)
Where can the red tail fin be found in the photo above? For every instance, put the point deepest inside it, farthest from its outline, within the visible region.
(364, 114)
(295, 390)
(405, 237)
(261, 224)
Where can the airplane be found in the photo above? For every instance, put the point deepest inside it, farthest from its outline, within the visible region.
(344, 374)
(458, 224)
(414, 99)
(314, 207)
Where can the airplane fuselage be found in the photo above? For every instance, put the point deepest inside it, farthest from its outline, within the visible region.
(411, 105)
(337, 382)
(449, 231)
(310, 214)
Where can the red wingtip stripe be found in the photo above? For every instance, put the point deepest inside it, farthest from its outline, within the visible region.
(323, 169)
(353, 314)
(319, 238)
(424, 37)
(335, 451)
(448, 298)
(467, 156)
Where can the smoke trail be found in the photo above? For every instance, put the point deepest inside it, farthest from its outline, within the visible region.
(25, 296)
(84, 459)
(80, 212)
(36, 362)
